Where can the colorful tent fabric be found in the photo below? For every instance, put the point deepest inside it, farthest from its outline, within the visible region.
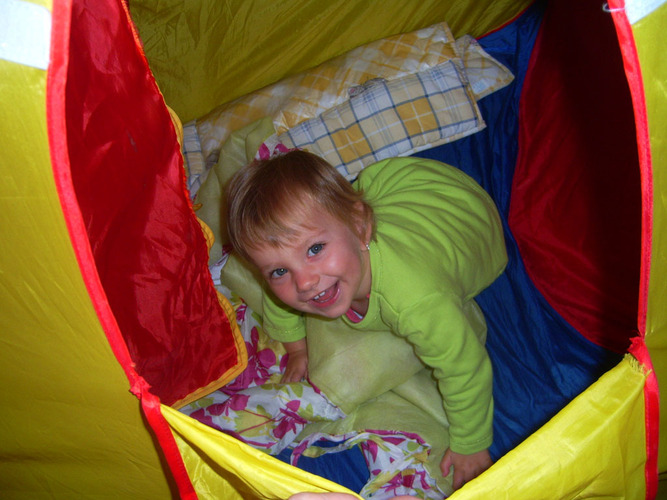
(92, 317)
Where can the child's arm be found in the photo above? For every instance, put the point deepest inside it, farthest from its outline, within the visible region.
(464, 373)
(285, 324)
(466, 467)
(297, 362)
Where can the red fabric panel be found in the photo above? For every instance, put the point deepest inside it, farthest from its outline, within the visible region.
(576, 198)
(126, 169)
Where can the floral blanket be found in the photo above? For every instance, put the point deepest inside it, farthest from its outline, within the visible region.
(270, 416)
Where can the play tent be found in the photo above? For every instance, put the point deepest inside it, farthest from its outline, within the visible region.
(106, 294)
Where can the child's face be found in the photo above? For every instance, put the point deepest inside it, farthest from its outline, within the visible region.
(321, 272)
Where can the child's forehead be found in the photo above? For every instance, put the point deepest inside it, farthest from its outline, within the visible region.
(294, 235)
(309, 218)
(298, 225)
(298, 216)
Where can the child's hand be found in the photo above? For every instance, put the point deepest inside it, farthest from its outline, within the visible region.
(297, 363)
(466, 467)
(297, 367)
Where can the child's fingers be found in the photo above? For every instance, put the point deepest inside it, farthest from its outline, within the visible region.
(288, 378)
(446, 464)
(293, 374)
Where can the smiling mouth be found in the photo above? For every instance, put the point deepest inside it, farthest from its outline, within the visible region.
(327, 297)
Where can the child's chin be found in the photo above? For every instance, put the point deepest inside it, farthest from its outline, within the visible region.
(325, 314)
(329, 313)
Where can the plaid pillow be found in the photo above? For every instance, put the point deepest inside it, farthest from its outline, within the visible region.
(392, 118)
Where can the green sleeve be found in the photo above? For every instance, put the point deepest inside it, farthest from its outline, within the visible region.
(448, 336)
(281, 322)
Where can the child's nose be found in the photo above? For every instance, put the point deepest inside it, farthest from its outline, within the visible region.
(306, 280)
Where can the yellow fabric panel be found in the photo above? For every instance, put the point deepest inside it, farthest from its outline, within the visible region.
(654, 74)
(207, 53)
(70, 427)
(223, 467)
(591, 449)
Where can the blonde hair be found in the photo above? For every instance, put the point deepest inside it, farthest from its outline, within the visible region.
(270, 201)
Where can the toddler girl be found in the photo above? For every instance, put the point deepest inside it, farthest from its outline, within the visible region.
(406, 248)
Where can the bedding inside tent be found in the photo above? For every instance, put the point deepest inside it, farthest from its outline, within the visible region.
(557, 151)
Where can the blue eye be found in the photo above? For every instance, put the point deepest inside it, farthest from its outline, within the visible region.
(277, 273)
(315, 249)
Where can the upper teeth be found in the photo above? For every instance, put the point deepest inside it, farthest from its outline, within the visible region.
(318, 295)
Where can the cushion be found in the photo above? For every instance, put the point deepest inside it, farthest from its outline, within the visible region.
(392, 118)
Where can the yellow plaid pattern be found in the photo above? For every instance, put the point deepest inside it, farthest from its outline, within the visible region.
(392, 118)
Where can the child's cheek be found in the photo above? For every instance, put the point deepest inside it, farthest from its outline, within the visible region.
(282, 290)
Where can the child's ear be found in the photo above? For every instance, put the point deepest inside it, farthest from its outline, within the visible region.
(364, 223)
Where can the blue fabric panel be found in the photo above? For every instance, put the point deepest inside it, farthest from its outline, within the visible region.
(347, 468)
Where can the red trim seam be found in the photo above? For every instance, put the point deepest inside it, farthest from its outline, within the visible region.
(638, 348)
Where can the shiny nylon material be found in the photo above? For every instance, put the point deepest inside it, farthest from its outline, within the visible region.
(576, 200)
(150, 254)
(576, 451)
(71, 426)
(205, 53)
